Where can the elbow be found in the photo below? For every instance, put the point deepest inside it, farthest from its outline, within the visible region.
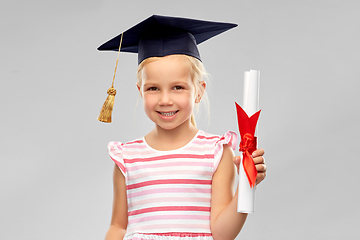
(115, 232)
(225, 233)
(216, 236)
(221, 235)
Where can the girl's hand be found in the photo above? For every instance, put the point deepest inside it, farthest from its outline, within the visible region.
(259, 164)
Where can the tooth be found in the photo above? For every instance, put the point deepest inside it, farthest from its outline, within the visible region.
(168, 114)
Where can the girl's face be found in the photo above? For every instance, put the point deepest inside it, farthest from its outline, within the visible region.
(168, 92)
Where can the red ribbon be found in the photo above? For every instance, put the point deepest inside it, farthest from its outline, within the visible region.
(247, 126)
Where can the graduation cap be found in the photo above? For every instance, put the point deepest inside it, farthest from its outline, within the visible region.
(159, 36)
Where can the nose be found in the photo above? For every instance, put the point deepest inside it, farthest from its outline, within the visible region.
(165, 99)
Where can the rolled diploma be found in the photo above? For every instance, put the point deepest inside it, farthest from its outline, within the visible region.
(246, 194)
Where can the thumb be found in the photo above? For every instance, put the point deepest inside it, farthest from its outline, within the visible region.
(237, 160)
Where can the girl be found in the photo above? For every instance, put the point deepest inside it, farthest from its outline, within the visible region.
(176, 182)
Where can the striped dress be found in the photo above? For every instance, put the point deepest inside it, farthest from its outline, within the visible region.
(169, 192)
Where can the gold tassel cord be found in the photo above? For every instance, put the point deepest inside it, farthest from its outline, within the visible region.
(107, 108)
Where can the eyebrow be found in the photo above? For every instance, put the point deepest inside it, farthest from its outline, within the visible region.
(156, 84)
(181, 82)
(150, 84)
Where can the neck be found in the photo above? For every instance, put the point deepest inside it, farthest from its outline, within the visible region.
(164, 139)
(187, 128)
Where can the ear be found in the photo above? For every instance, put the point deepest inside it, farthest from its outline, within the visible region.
(139, 88)
(200, 94)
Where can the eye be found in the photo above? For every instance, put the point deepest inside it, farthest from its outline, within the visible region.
(152, 89)
(178, 88)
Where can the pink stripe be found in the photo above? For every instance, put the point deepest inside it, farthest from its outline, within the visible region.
(205, 137)
(131, 152)
(170, 173)
(185, 234)
(136, 141)
(169, 190)
(218, 149)
(222, 138)
(170, 164)
(168, 181)
(170, 199)
(119, 165)
(170, 234)
(171, 156)
(117, 144)
(169, 208)
(204, 227)
(136, 146)
(137, 238)
(202, 142)
(181, 234)
(171, 217)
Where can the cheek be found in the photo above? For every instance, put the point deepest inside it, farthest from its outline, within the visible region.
(147, 100)
(187, 101)
(150, 101)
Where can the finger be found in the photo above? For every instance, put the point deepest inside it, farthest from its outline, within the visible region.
(258, 152)
(237, 160)
(259, 160)
(261, 168)
(260, 177)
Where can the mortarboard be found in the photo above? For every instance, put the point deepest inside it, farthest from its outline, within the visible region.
(159, 36)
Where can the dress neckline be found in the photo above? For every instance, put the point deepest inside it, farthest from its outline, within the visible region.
(177, 149)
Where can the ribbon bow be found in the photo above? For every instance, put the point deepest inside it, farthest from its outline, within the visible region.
(248, 141)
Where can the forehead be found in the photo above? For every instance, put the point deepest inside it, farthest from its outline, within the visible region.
(172, 65)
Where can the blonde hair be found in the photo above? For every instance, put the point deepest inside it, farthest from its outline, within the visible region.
(198, 74)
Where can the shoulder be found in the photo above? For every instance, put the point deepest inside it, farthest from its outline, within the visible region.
(116, 146)
(222, 146)
(228, 137)
(117, 149)
(224, 172)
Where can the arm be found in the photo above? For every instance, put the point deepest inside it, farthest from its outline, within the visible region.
(225, 221)
(119, 217)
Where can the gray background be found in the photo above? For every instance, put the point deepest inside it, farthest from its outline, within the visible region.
(55, 174)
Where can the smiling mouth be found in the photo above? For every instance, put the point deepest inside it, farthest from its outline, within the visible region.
(168, 114)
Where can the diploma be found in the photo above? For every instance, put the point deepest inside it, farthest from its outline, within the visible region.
(247, 120)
